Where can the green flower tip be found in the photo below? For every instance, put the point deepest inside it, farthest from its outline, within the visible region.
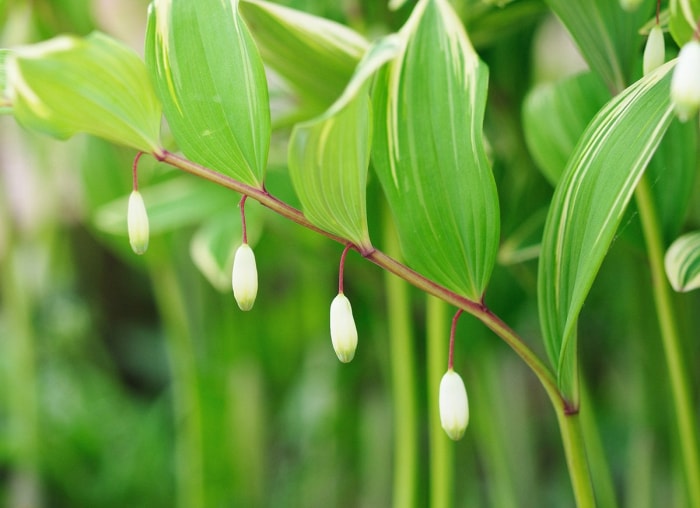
(454, 405)
(654, 51)
(685, 83)
(343, 331)
(244, 277)
(137, 223)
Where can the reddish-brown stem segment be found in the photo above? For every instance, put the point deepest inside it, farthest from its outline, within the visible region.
(243, 225)
(477, 309)
(134, 171)
(341, 269)
(451, 355)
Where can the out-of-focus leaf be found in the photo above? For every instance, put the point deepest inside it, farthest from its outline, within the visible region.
(429, 153)
(95, 85)
(554, 117)
(214, 244)
(684, 19)
(606, 34)
(329, 155)
(5, 105)
(671, 173)
(682, 262)
(587, 206)
(211, 80)
(316, 56)
(524, 243)
(173, 204)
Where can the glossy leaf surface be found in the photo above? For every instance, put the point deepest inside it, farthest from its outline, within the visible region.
(429, 153)
(682, 262)
(95, 85)
(211, 80)
(588, 205)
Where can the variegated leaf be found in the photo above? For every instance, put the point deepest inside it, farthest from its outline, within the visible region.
(429, 153)
(683, 21)
(211, 80)
(587, 206)
(682, 262)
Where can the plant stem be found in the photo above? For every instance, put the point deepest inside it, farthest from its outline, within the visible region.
(568, 421)
(441, 448)
(403, 375)
(671, 341)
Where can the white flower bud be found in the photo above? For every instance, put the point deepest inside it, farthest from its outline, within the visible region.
(343, 331)
(685, 83)
(454, 406)
(244, 277)
(137, 223)
(654, 51)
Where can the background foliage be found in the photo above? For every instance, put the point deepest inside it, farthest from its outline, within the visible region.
(137, 382)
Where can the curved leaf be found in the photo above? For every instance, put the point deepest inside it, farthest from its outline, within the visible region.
(587, 207)
(683, 21)
(94, 84)
(302, 47)
(429, 153)
(211, 80)
(556, 114)
(329, 155)
(682, 262)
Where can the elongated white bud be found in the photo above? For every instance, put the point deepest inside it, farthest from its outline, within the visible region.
(244, 277)
(137, 223)
(343, 331)
(654, 51)
(454, 406)
(685, 83)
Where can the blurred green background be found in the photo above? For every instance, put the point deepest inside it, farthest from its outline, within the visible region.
(136, 381)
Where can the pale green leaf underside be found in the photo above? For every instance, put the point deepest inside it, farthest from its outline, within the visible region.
(94, 84)
(211, 80)
(5, 106)
(682, 262)
(429, 153)
(606, 35)
(556, 114)
(684, 16)
(588, 204)
(316, 56)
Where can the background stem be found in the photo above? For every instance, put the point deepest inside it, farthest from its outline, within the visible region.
(687, 426)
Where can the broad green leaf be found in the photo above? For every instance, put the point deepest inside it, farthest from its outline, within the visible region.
(587, 206)
(94, 85)
(554, 117)
(606, 34)
(429, 153)
(316, 56)
(683, 21)
(211, 80)
(329, 155)
(5, 105)
(682, 262)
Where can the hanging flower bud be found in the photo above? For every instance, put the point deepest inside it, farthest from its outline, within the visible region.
(454, 406)
(343, 331)
(137, 223)
(654, 51)
(685, 83)
(244, 277)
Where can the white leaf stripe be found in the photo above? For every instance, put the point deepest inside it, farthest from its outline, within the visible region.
(682, 262)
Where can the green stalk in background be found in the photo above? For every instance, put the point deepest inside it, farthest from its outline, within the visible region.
(403, 374)
(441, 461)
(185, 388)
(687, 426)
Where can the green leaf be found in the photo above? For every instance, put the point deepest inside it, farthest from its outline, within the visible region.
(606, 35)
(316, 56)
(587, 206)
(211, 80)
(683, 20)
(94, 84)
(682, 262)
(5, 105)
(429, 152)
(556, 114)
(329, 155)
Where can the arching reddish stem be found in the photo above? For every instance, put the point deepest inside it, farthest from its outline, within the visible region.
(342, 267)
(245, 229)
(134, 170)
(450, 358)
